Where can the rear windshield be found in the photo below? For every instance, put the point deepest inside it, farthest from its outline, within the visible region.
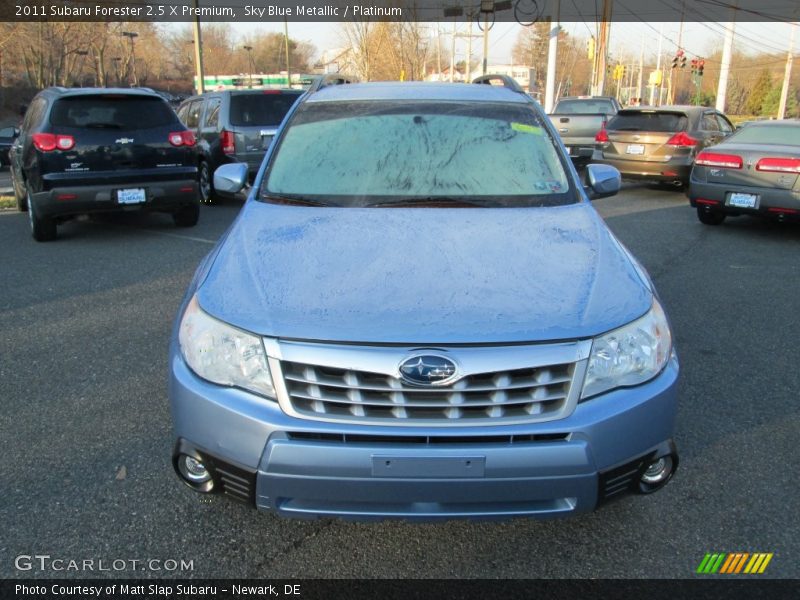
(261, 108)
(584, 107)
(389, 152)
(666, 122)
(112, 112)
(785, 134)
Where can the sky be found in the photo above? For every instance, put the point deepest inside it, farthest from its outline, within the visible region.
(699, 39)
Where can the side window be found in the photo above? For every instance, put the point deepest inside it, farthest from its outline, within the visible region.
(183, 110)
(724, 125)
(193, 116)
(212, 112)
(35, 113)
(7, 132)
(709, 122)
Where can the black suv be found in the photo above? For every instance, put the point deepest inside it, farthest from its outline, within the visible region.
(234, 126)
(91, 150)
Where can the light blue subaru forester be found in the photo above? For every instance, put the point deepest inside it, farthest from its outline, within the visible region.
(418, 314)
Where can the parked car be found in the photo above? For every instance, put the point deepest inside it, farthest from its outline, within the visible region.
(7, 136)
(756, 171)
(579, 119)
(234, 126)
(93, 150)
(419, 314)
(659, 144)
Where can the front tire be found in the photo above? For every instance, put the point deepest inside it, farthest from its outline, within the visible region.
(709, 217)
(187, 216)
(43, 229)
(205, 184)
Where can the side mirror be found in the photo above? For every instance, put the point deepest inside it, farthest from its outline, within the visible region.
(602, 181)
(230, 178)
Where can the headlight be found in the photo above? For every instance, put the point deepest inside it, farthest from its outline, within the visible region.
(223, 354)
(629, 355)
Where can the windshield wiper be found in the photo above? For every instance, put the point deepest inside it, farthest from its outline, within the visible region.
(293, 199)
(436, 201)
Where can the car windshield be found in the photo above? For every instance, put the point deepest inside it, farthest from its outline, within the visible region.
(261, 108)
(584, 107)
(384, 153)
(666, 122)
(786, 134)
(112, 111)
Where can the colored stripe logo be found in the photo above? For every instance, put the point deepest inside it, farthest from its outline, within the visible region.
(734, 563)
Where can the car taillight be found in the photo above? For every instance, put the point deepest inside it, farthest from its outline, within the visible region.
(682, 140)
(714, 159)
(181, 138)
(779, 165)
(601, 137)
(47, 142)
(226, 140)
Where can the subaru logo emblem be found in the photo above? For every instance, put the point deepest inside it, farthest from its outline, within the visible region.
(428, 369)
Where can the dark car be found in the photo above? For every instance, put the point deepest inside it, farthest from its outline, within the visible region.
(92, 150)
(7, 137)
(234, 126)
(755, 172)
(659, 144)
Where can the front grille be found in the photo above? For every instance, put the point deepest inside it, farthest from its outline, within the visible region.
(360, 438)
(527, 394)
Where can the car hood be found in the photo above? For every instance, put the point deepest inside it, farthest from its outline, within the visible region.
(423, 275)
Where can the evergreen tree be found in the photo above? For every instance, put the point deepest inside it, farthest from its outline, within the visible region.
(759, 92)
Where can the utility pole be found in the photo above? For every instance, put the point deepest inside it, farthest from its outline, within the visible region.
(671, 95)
(727, 51)
(468, 66)
(286, 37)
(438, 53)
(198, 53)
(602, 52)
(485, 42)
(658, 67)
(453, 51)
(639, 89)
(787, 74)
(552, 53)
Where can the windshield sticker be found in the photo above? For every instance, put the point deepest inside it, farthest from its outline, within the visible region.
(526, 128)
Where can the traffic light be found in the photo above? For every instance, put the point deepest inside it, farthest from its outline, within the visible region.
(683, 62)
(675, 61)
(694, 66)
(700, 64)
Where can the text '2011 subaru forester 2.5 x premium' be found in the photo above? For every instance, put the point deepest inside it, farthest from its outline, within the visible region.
(418, 314)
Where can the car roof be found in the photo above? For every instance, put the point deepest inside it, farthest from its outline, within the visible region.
(93, 91)
(470, 92)
(680, 108)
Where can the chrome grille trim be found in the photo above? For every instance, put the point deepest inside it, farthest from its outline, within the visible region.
(362, 384)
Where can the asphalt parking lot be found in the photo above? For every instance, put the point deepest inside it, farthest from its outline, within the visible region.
(85, 424)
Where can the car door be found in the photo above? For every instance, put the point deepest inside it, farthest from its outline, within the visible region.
(709, 132)
(725, 126)
(208, 131)
(19, 148)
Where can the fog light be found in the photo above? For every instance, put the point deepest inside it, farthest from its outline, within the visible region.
(657, 474)
(192, 469)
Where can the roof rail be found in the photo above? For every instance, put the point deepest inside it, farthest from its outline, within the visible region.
(330, 79)
(508, 82)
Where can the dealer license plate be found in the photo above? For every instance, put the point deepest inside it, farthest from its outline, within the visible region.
(740, 200)
(635, 149)
(132, 196)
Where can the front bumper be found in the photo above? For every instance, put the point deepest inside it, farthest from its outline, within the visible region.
(302, 468)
